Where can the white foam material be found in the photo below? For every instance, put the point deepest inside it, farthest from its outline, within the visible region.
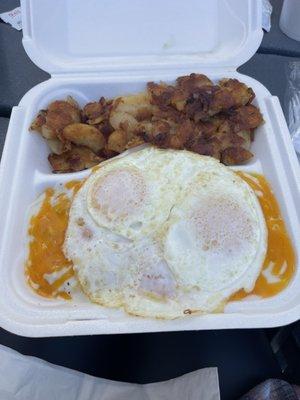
(128, 35)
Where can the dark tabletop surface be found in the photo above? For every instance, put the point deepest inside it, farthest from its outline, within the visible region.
(276, 42)
(3, 128)
(244, 357)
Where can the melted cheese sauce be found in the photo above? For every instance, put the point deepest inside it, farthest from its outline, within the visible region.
(47, 231)
(279, 264)
(47, 269)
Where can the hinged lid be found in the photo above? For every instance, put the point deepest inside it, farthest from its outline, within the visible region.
(76, 36)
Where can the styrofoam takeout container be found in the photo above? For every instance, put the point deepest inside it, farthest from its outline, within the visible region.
(110, 48)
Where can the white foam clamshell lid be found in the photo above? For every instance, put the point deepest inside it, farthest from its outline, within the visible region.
(104, 48)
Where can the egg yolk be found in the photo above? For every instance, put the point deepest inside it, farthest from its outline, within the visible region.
(47, 233)
(279, 264)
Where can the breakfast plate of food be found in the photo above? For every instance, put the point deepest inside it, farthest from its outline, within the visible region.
(163, 199)
(160, 234)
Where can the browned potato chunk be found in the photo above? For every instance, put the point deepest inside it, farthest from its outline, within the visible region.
(117, 141)
(97, 111)
(76, 159)
(155, 132)
(241, 94)
(39, 121)
(127, 111)
(186, 87)
(246, 117)
(235, 155)
(84, 135)
(160, 94)
(134, 142)
(122, 120)
(106, 153)
(58, 147)
(59, 114)
(167, 134)
(246, 135)
(193, 81)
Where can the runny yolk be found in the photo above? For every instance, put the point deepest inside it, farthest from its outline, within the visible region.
(279, 264)
(47, 232)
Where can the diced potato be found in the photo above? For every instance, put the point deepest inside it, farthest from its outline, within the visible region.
(58, 147)
(235, 155)
(84, 135)
(59, 114)
(76, 159)
(39, 121)
(127, 111)
(97, 112)
(117, 141)
(134, 142)
(122, 120)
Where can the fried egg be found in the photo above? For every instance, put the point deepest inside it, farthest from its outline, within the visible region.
(165, 233)
(217, 237)
(131, 196)
(96, 254)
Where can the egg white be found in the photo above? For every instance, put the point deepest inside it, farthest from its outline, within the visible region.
(96, 254)
(217, 238)
(132, 195)
(141, 247)
(123, 196)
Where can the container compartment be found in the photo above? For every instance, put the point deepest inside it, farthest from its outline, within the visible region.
(26, 313)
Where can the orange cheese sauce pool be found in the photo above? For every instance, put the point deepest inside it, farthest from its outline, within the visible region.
(279, 264)
(47, 231)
